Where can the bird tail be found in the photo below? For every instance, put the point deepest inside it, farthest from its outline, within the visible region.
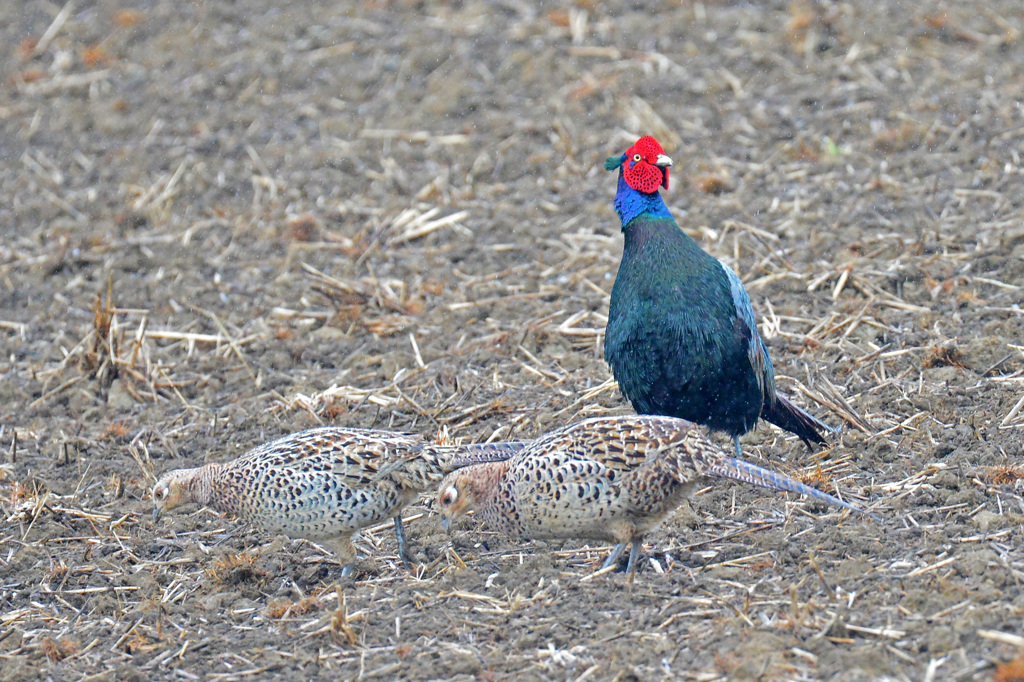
(480, 453)
(738, 470)
(426, 459)
(788, 416)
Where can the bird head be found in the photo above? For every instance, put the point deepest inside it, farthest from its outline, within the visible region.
(455, 496)
(644, 165)
(172, 490)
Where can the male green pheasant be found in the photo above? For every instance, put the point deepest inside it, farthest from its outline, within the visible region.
(681, 337)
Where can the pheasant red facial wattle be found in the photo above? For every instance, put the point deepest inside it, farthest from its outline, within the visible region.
(642, 176)
(644, 167)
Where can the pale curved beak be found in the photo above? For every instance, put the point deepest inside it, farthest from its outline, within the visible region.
(446, 524)
(663, 161)
(157, 513)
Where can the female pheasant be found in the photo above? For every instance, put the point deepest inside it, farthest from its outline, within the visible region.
(610, 479)
(681, 337)
(323, 484)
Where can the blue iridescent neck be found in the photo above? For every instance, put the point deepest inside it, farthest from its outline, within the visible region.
(629, 203)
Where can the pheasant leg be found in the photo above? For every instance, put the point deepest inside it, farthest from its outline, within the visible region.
(634, 554)
(403, 545)
(614, 556)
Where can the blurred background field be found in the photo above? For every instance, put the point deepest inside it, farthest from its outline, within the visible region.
(223, 222)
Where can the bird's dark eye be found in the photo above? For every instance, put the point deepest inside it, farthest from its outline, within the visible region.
(637, 157)
(449, 496)
(161, 493)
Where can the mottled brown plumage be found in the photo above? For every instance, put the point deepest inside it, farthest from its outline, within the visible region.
(608, 479)
(323, 484)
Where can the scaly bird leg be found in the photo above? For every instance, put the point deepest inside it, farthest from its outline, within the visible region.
(739, 449)
(634, 554)
(345, 553)
(614, 556)
(403, 545)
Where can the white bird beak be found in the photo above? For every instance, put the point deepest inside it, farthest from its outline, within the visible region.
(663, 161)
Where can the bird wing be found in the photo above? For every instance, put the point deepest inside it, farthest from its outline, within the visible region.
(619, 444)
(587, 475)
(352, 455)
(756, 350)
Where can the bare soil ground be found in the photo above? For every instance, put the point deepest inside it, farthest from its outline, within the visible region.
(226, 221)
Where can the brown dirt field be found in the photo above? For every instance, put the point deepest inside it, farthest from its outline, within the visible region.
(394, 215)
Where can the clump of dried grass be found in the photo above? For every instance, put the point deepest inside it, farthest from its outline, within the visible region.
(1011, 671)
(816, 477)
(235, 569)
(279, 609)
(945, 355)
(305, 228)
(114, 431)
(1004, 473)
(58, 649)
(138, 643)
(98, 360)
(355, 299)
(342, 632)
(109, 352)
(57, 571)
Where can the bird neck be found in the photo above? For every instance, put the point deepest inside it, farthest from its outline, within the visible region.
(203, 482)
(631, 203)
(487, 482)
(660, 238)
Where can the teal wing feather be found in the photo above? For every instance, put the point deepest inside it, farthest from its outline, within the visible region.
(760, 361)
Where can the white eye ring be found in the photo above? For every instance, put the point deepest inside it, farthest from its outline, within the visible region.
(449, 496)
(160, 493)
(637, 157)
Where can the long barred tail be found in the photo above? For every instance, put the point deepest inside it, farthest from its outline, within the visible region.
(480, 453)
(788, 416)
(445, 458)
(738, 470)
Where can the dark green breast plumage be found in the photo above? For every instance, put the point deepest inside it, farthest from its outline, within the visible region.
(674, 340)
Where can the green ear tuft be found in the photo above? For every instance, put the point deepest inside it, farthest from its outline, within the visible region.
(613, 162)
